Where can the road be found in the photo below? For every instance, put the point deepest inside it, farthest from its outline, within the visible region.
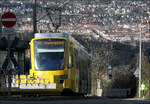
(69, 100)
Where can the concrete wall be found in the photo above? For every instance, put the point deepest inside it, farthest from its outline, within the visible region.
(119, 93)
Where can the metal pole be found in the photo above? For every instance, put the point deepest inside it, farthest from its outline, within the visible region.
(140, 53)
(9, 65)
(0, 27)
(34, 17)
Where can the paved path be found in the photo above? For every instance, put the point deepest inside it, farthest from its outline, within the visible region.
(69, 100)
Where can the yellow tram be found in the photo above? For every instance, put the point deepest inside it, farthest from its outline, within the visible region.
(59, 65)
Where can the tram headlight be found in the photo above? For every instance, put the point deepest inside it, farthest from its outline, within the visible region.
(39, 73)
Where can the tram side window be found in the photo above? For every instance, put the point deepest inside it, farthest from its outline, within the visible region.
(77, 59)
(70, 58)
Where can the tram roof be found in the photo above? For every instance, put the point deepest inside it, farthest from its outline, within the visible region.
(65, 35)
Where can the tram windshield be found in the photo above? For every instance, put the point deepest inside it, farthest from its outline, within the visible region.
(49, 54)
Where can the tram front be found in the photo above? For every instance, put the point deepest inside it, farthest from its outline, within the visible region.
(48, 62)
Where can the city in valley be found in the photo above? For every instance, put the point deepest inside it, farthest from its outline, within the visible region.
(83, 51)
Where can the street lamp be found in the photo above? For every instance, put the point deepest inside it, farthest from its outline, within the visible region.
(140, 53)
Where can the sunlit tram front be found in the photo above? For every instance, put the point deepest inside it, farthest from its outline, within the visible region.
(48, 58)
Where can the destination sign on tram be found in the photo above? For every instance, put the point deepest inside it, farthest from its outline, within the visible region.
(50, 43)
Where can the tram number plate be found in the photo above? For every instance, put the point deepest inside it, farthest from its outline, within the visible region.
(36, 86)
